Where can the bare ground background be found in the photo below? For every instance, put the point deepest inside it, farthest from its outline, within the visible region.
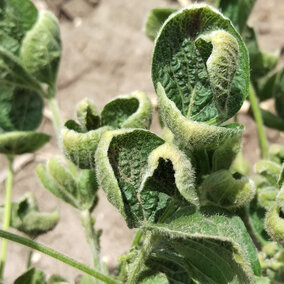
(106, 54)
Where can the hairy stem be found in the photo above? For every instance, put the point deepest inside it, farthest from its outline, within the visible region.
(92, 237)
(138, 264)
(137, 238)
(7, 214)
(263, 143)
(57, 255)
(53, 105)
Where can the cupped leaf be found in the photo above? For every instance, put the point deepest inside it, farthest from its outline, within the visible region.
(205, 242)
(20, 142)
(32, 276)
(227, 190)
(201, 64)
(274, 224)
(41, 50)
(21, 109)
(87, 115)
(155, 20)
(77, 188)
(26, 217)
(80, 147)
(128, 111)
(195, 135)
(141, 175)
(237, 11)
(268, 169)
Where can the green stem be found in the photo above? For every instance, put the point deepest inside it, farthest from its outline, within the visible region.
(92, 238)
(53, 105)
(29, 262)
(263, 143)
(137, 238)
(57, 255)
(138, 264)
(7, 214)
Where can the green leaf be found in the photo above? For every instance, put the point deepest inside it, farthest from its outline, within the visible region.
(20, 142)
(26, 218)
(128, 111)
(41, 50)
(151, 277)
(17, 18)
(32, 276)
(21, 109)
(195, 135)
(227, 190)
(271, 120)
(14, 74)
(256, 216)
(205, 242)
(276, 153)
(87, 115)
(261, 62)
(56, 279)
(155, 20)
(80, 147)
(268, 169)
(237, 11)
(201, 65)
(141, 175)
(79, 189)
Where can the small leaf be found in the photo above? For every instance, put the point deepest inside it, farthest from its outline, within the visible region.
(41, 50)
(187, 49)
(32, 276)
(88, 115)
(56, 279)
(140, 176)
(20, 142)
(77, 189)
(206, 242)
(128, 111)
(225, 190)
(274, 224)
(261, 62)
(26, 218)
(237, 11)
(155, 20)
(276, 153)
(268, 169)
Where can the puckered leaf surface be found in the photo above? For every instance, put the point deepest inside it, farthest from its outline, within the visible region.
(205, 242)
(141, 175)
(202, 64)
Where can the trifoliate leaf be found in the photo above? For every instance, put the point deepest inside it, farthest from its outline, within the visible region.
(201, 65)
(20, 142)
(141, 175)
